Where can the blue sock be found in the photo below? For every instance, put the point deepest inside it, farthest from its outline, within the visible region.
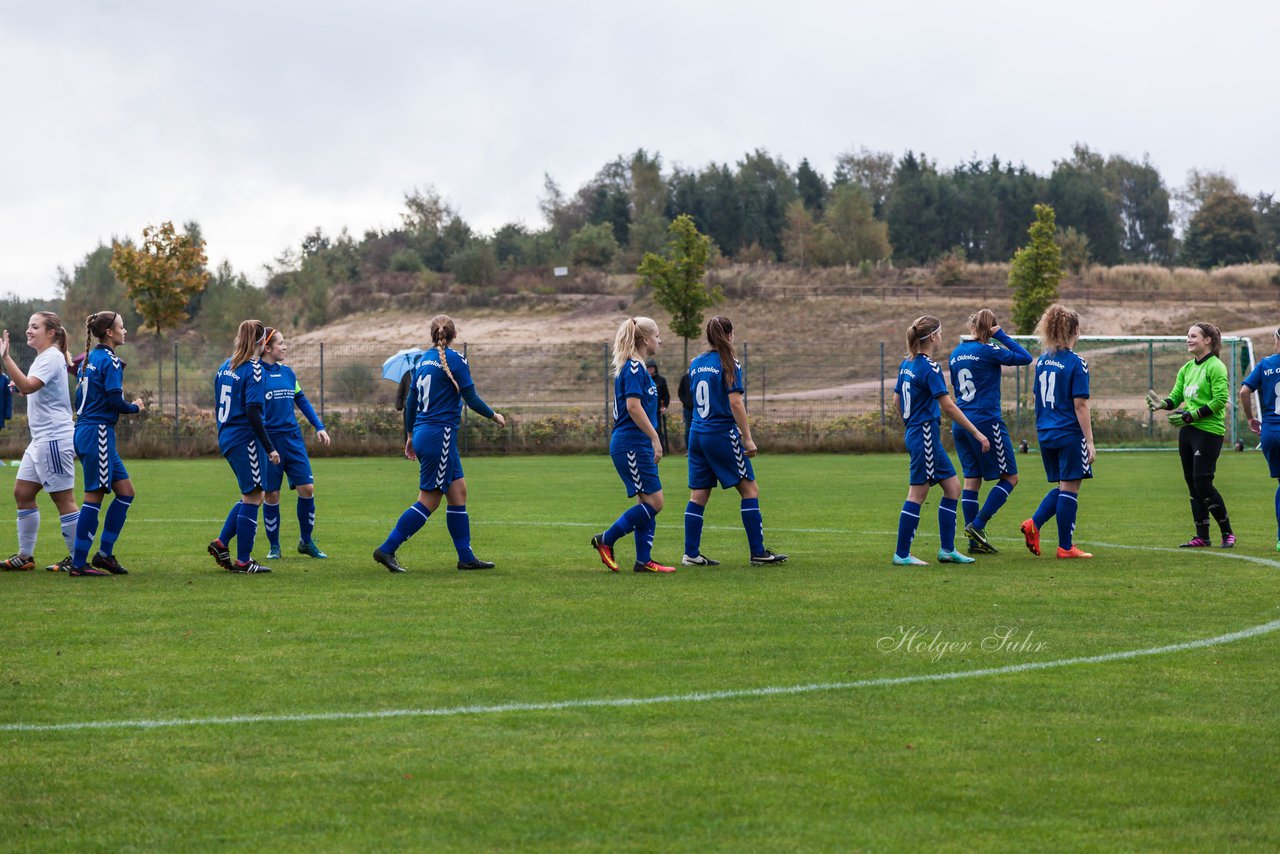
(407, 525)
(754, 523)
(229, 526)
(628, 522)
(996, 498)
(246, 531)
(1067, 506)
(271, 521)
(306, 518)
(947, 524)
(908, 521)
(1048, 506)
(1278, 514)
(969, 504)
(693, 527)
(644, 540)
(85, 530)
(459, 525)
(114, 523)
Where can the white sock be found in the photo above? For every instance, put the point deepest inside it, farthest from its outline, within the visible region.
(28, 530)
(68, 523)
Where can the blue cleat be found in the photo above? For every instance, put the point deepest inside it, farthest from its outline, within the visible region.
(953, 556)
(273, 553)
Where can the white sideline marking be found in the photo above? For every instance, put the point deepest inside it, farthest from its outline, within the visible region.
(697, 697)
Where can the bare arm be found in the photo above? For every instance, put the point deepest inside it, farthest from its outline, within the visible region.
(1086, 426)
(739, 410)
(953, 412)
(635, 409)
(1246, 406)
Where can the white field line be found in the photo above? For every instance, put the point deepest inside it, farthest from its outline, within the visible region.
(696, 697)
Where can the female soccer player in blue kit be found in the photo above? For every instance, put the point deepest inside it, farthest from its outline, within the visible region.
(432, 414)
(99, 405)
(283, 392)
(1265, 381)
(720, 446)
(243, 440)
(976, 367)
(920, 393)
(1063, 427)
(634, 444)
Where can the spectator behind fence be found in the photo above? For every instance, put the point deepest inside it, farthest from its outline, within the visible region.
(685, 394)
(664, 402)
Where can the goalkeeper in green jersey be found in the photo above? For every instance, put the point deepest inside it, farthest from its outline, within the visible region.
(1197, 403)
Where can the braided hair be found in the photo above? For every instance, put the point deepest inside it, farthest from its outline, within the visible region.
(443, 331)
(96, 326)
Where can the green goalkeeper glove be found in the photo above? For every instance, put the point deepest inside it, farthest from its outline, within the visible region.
(1154, 401)
(1180, 417)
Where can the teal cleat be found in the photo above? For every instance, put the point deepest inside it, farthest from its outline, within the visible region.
(909, 560)
(310, 549)
(273, 553)
(953, 557)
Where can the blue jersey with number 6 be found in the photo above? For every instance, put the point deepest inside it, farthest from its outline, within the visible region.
(711, 412)
(918, 387)
(432, 394)
(234, 392)
(1061, 377)
(1265, 380)
(975, 374)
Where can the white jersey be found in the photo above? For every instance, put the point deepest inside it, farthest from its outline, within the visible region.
(49, 409)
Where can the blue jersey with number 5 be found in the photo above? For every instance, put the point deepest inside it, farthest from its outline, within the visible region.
(918, 387)
(1265, 380)
(975, 374)
(234, 392)
(1061, 377)
(711, 412)
(432, 394)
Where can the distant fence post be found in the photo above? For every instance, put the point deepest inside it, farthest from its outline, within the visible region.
(884, 424)
(1151, 383)
(322, 381)
(746, 346)
(465, 444)
(176, 415)
(608, 392)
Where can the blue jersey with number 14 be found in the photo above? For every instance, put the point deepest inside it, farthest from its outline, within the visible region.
(918, 387)
(1265, 380)
(711, 411)
(1061, 377)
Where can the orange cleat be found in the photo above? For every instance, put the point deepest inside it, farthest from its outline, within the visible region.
(1032, 535)
(606, 552)
(1074, 551)
(653, 566)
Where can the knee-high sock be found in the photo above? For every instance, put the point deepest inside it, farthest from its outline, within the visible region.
(628, 522)
(306, 518)
(908, 521)
(1068, 504)
(86, 528)
(28, 530)
(229, 527)
(459, 525)
(409, 523)
(753, 521)
(246, 531)
(114, 523)
(68, 523)
(996, 498)
(969, 506)
(644, 539)
(271, 522)
(947, 524)
(1278, 514)
(1200, 517)
(1048, 507)
(693, 528)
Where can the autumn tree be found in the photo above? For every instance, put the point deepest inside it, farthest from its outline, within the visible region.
(677, 279)
(163, 274)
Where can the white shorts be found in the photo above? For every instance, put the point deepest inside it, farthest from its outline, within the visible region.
(50, 463)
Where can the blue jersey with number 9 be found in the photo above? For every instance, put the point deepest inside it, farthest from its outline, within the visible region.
(711, 411)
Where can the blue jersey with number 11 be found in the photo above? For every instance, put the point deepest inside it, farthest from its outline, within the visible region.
(1061, 377)
(1265, 380)
(432, 394)
(711, 411)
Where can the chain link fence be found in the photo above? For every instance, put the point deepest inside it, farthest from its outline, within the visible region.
(806, 395)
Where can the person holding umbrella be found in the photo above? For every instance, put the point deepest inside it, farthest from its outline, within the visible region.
(399, 369)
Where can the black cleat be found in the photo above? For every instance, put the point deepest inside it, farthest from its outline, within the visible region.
(61, 566)
(767, 557)
(475, 563)
(699, 560)
(978, 542)
(249, 567)
(390, 562)
(109, 563)
(221, 554)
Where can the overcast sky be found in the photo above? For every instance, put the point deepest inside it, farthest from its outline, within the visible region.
(264, 120)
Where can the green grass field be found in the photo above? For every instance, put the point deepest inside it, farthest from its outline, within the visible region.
(491, 739)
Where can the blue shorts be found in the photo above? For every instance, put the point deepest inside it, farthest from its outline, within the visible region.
(929, 461)
(1066, 463)
(249, 462)
(995, 462)
(439, 463)
(637, 469)
(293, 462)
(1271, 449)
(718, 456)
(96, 447)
